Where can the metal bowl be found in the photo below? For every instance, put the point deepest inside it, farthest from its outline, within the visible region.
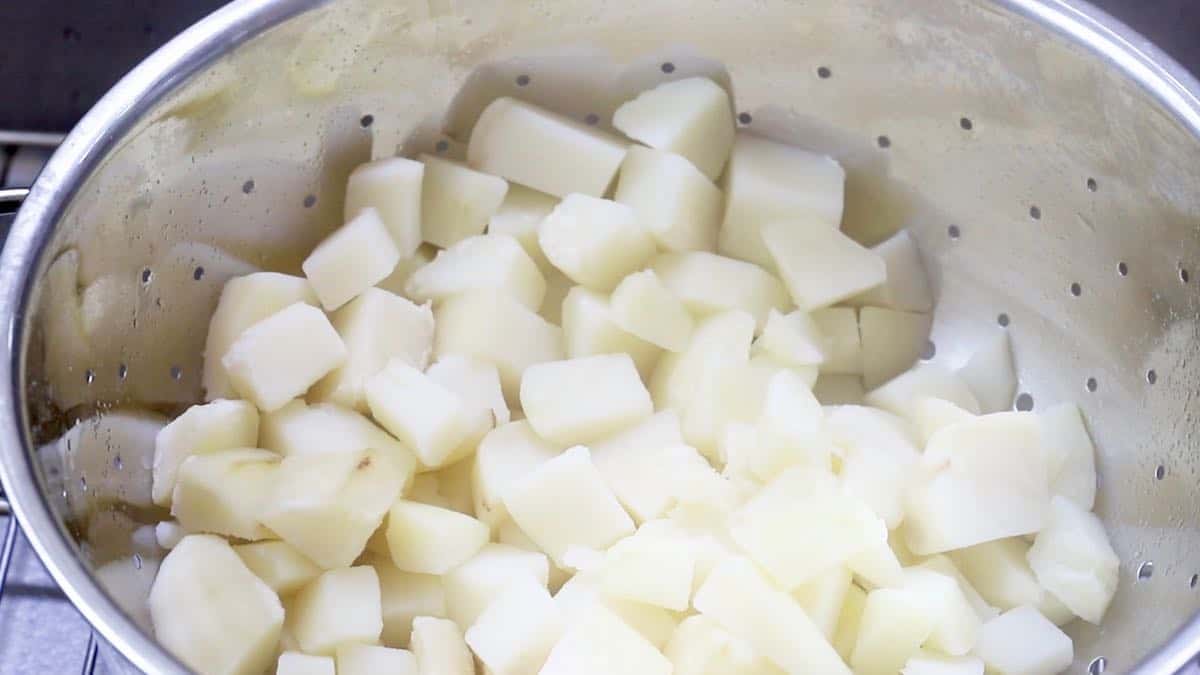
(1046, 158)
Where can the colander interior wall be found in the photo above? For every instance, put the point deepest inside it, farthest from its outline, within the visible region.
(1052, 195)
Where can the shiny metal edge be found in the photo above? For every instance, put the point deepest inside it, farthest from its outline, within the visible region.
(42, 139)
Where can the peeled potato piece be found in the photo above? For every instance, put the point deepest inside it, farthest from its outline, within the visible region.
(224, 492)
(517, 630)
(1023, 641)
(391, 186)
(691, 117)
(519, 216)
(892, 342)
(707, 284)
(340, 607)
(595, 242)
(585, 399)
(590, 328)
(472, 586)
(820, 265)
(678, 204)
(456, 201)
(505, 455)
(201, 429)
(907, 287)
(990, 375)
(645, 308)
(482, 261)
(354, 258)
(1074, 561)
(601, 643)
(439, 647)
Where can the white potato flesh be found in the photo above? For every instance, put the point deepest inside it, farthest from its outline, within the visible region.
(565, 503)
(519, 216)
(772, 182)
(929, 663)
(582, 592)
(955, 622)
(929, 415)
(327, 505)
(717, 342)
(846, 635)
(649, 480)
(876, 566)
(558, 285)
(892, 341)
(692, 117)
(590, 327)
(128, 581)
(472, 586)
(277, 563)
(391, 186)
(516, 632)
(296, 663)
(355, 257)
(600, 643)
(224, 492)
(733, 393)
(340, 607)
(990, 373)
(834, 389)
(439, 647)
(244, 302)
(1071, 455)
(423, 413)
(943, 565)
(819, 265)
(999, 570)
(793, 339)
(396, 281)
(371, 660)
(651, 570)
(700, 647)
(301, 429)
(405, 596)
(585, 399)
(505, 455)
(894, 624)
(280, 357)
(211, 612)
(878, 457)
(907, 286)
(200, 430)
(822, 598)
(679, 205)
(513, 139)
(108, 458)
(493, 327)
(456, 201)
(477, 385)
(643, 306)
(791, 429)
(376, 327)
(481, 261)
(1022, 641)
(430, 540)
(660, 429)
(843, 343)
(738, 598)
(925, 380)
(595, 242)
(708, 283)
(1074, 561)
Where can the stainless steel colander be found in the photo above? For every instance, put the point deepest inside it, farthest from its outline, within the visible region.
(1046, 158)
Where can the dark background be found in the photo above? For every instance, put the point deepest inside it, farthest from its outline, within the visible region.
(58, 57)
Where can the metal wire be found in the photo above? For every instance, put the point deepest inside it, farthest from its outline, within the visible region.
(89, 661)
(6, 552)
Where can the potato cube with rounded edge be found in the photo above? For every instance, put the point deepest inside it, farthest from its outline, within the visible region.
(822, 598)
(791, 428)
(1071, 455)
(424, 414)
(404, 596)
(225, 492)
(719, 341)
(907, 286)
(439, 647)
(211, 612)
(707, 284)
(925, 380)
(700, 647)
(395, 282)
(301, 429)
(842, 341)
(590, 328)
(374, 660)
(692, 117)
(519, 216)
(391, 186)
(894, 624)
(583, 591)
(1022, 641)
(585, 399)
(456, 201)
(819, 265)
(517, 630)
(645, 308)
(892, 342)
(354, 258)
(651, 570)
(650, 479)
(793, 339)
(1074, 561)
(990, 374)
(513, 139)
(600, 643)
(432, 540)
(280, 357)
(878, 458)
(595, 242)
(955, 623)
(279, 564)
(201, 429)
(477, 385)
(505, 455)
(481, 261)
(943, 565)
(342, 606)
(296, 663)
(929, 415)
(678, 205)
(999, 570)
(472, 586)
(846, 634)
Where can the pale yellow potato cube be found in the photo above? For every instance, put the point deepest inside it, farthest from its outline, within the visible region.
(1074, 561)
(823, 596)
(819, 265)
(456, 201)
(391, 186)
(517, 630)
(678, 204)
(879, 457)
(892, 342)
(519, 216)
(876, 566)
(486, 261)
(404, 596)
(439, 647)
(990, 373)
(895, 623)
(396, 281)
(692, 117)
(846, 635)
(659, 430)
(907, 286)
(354, 258)
(792, 339)
(943, 565)
(651, 570)
(505, 455)
(929, 415)
(1022, 641)
(590, 328)
(1070, 454)
(431, 540)
(472, 586)
(843, 343)
(301, 429)
(582, 592)
(595, 242)
(374, 660)
(925, 380)
(999, 570)
(650, 479)
(955, 622)
(644, 307)
(585, 399)
(719, 341)
(707, 283)
(791, 428)
(700, 647)
(558, 285)
(225, 492)
(477, 385)
(277, 563)
(600, 643)
(423, 413)
(340, 607)
(296, 663)
(200, 430)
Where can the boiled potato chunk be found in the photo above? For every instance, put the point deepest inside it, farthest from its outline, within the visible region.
(719, 341)
(354, 258)
(707, 283)
(472, 586)
(482, 261)
(340, 607)
(225, 492)
(1000, 572)
(895, 622)
(355, 659)
(1071, 455)
(692, 117)
(280, 357)
(822, 598)
(108, 458)
(439, 647)
(650, 480)
(477, 385)
(772, 182)
(211, 612)
(846, 635)
(792, 339)
(1023, 641)
(955, 623)
(678, 204)
(938, 664)
(819, 265)
(907, 287)
(516, 632)
(700, 647)
(600, 643)
(396, 281)
(277, 563)
(892, 341)
(505, 455)
(930, 415)
(513, 139)
(200, 430)
(926, 380)
(843, 343)
(878, 458)
(643, 306)
(990, 375)
(589, 327)
(649, 569)
(1074, 561)
(595, 242)
(376, 327)
(244, 302)
(585, 399)
(456, 201)
(791, 428)
(301, 429)
(564, 503)
(582, 592)
(391, 186)
(405, 596)
(296, 663)
(431, 540)
(519, 216)
(424, 414)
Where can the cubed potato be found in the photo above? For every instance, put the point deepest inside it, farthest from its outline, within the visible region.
(718, 341)
(928, 663)
(955, 623)
(301, 429)
(106, 459)
(456, 201)
(486, 261)
(558, 285)
(843, 343)
(430, 540)
(398, 279)
(792, 339)
(649, 479)
(823, 596)
(355, 659)
(643, 306)
(200, 430)
(225, 492)
(892, 342)
(211, 612)
(590, 328)
(846, 635)
(894, 624)
(513, 139)
(296, 663)
(168, 534)
(876, 566)
(582, 592)
(519, 216)
(277, 563)
(879, 456)
(585, 399)
(1023, 641)
(772, 182)
(700, 647)
(728, 393)
(280, 357)
(943, 565)
(327, 505)
(738, 598)
(833, 389)
(929, 415)
(707, 283)
(340, 607)
(128, 581)
(925, 380)
(600, 643)
(999, 570)
(907, 286)
(244, 302)
(391, 186)
(677, 203)
(652, 570)
(819, 265)
(354, 258)
(439, 647)
(472, 586)
(505, 455)
(493, 327)
(1074, 561)
(564, 503)
(791, 429)
(376, 327)
(660, 429)
(1070, 454)
(423, 413)
(516, 632)
(990, 374)
(595, 242)
(405, 596)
